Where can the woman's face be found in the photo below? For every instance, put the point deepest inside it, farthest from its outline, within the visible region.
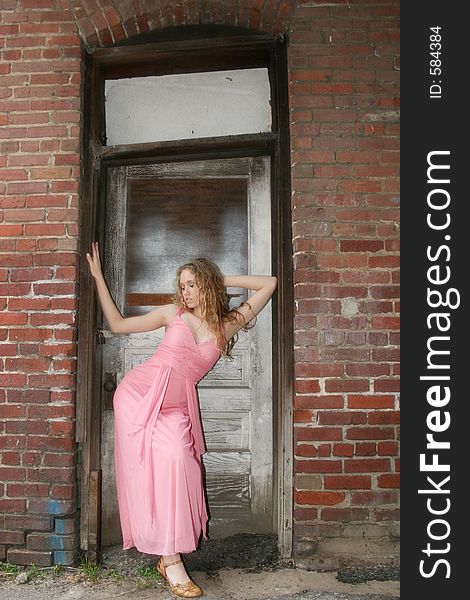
(189, 288)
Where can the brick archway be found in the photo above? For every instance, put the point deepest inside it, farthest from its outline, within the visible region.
(103, 23)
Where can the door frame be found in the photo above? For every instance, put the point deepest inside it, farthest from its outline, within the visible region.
(179, 55)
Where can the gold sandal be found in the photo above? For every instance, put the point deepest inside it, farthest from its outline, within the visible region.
(183, 590)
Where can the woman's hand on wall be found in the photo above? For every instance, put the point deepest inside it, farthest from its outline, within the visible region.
(94, 261)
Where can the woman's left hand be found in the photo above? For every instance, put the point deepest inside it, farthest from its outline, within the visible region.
(94, 261)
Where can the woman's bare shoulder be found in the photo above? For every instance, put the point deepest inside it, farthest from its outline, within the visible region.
(169, 310)
(165, 311)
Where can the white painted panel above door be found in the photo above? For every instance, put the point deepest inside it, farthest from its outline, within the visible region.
(187, 106)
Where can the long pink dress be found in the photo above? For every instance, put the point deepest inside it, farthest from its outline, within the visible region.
(158, 445)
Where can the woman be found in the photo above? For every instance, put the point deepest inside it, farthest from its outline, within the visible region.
(158, 434)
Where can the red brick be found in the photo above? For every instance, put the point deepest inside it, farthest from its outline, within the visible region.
(358, 187)
(344, 355)
(385, 291)
(304, 416)
(388, 417)
(55, 288)
(370, 433)
(341, 418)
(306, 355)
(305, 514)
(318, 370)
(28, 349)
(347, 482)
(386, 514)
(387, 449)
(344, 514)
(50, 475)
(375, 307)
(38, 442)
(30, 334)
(46, 412)
(387, 385)
(12, 379)
(365, 277)
(367, 370)
(29, 303)
(28, 522)
(318, 433)
(59, 460)
(344, 261)
(20, 556)
(331, 291)
(374, 498)
(12, 537)
(347, 385)
(322, 401)
(305, 450)
(30, 274)
(13, 318)
(15, 505)
(26, 364)
(319, 498)
(386, 354)
(13, 230)
(62, 428)
(11, 458)
(385, 322)
(383, 262)
(304, 275)
(371, 465)
(318, 466)
(40, 541)
(12, 474)
(28, 489)
(55, 258)
(361, 245)
(343, 449)
(370, 401)
(64, 491)
(389, 480)
(52, 318)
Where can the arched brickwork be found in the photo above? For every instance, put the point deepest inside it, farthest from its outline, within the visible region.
(105, 22)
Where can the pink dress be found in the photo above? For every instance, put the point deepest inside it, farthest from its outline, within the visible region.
(158, 445)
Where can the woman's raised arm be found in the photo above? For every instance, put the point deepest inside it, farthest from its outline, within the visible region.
(117, 323)
(263, 286)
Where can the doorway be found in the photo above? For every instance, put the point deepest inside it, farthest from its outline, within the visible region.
(157, 217)
(123, 166)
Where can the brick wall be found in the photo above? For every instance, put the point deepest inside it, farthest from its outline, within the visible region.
(39, 181)
(344, 136)
(343, 61)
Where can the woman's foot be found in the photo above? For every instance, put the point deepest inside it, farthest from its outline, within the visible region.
(181, 585)
(175, 570)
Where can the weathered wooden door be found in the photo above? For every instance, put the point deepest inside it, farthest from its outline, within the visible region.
(157, 217)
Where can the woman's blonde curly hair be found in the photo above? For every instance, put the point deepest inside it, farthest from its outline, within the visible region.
(213, 300)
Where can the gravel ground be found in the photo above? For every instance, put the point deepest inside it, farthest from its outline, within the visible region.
(244, 568)
(227, 585)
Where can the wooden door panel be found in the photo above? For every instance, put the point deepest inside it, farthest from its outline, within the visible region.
(225, 429)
